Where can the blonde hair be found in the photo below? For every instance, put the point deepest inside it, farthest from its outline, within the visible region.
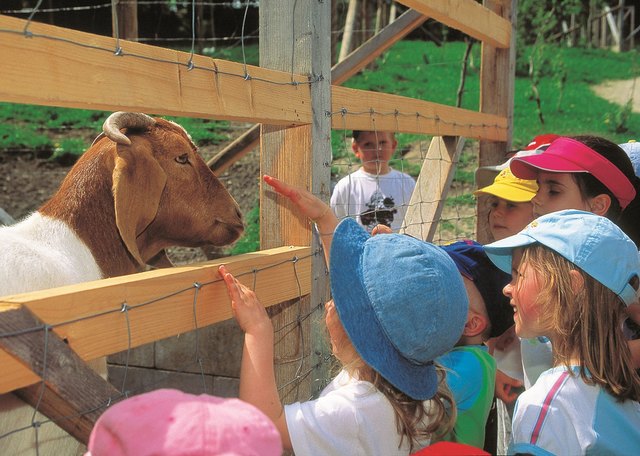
(587, 324)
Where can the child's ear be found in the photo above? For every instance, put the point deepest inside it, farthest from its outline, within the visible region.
(355, 148)
(476, 324)
(577, 281)
(600, 204)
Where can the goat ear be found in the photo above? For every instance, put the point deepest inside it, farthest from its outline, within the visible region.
(138, 181)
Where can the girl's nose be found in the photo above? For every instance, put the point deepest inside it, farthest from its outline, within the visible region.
(508, 288)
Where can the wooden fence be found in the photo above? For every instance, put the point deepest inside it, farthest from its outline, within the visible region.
(46, 335)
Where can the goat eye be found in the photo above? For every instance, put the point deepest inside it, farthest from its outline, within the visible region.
(183, 159)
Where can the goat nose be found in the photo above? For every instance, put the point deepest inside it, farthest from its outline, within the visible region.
(238, 213)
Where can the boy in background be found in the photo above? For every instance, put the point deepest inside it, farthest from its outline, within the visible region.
(471, 370)
(375, 193)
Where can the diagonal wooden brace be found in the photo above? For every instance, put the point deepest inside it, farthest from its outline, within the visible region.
(74, 395)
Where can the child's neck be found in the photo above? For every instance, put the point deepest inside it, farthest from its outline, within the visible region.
(376, 168)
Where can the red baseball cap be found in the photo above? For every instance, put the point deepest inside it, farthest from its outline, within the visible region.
(566, 155)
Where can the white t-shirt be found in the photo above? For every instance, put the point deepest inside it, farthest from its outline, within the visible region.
(351, 417)
(373, 199)
(562, 415)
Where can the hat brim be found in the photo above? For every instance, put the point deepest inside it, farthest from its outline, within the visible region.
(529, 166)
(507, 192)
(418, 381)
(501, 252)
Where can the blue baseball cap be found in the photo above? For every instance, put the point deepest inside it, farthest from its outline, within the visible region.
(474, 264)
(401, 301)
(593, 243)
(632, 148)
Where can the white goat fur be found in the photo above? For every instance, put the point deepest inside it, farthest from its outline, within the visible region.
(86, 243)
(41, 252)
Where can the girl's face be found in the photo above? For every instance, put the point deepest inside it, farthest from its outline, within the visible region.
(340, 344)
(523, 291)
(507, 218)
(557, 191)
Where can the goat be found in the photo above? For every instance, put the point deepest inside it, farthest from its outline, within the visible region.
(131, 194)
(127, 198)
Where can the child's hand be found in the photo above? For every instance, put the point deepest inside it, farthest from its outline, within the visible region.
(507, 388)
(310, 205)
(247, 310)
(381, 229)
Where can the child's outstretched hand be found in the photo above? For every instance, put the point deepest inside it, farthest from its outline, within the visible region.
(247, 310)
(309, 204)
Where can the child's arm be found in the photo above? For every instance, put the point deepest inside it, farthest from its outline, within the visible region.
(507, 388)
(312, 207)
(257, 375)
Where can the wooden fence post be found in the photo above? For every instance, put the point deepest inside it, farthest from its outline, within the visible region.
(496, 97)
(298, 41)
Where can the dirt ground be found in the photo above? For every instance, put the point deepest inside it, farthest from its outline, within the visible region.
(26, 181)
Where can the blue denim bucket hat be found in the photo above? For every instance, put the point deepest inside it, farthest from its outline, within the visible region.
(593, 243)
(401, 301)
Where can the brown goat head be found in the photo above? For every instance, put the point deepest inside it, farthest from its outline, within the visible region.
(166, 195)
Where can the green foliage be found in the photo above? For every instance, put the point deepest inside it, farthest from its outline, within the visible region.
(250, 240)
(68, 150)
(22, 137)
(203, 131)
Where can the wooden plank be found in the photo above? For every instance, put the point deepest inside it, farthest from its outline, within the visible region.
(497, 86)
(469, 17)
(60, 73)
(432, 187)
(72, 309)
(364, 110)
(61, 67)
(71, 390)
(340, 72)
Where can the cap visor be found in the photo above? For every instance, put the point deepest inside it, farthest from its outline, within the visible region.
(359, 321)
(507, 192)
(528, 167)
(501, 252)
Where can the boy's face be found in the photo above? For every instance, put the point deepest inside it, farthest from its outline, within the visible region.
(507, 218)
(374, 149)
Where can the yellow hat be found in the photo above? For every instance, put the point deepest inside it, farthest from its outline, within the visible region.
(509, 187)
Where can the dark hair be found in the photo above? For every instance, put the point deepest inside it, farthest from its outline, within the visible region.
(627, 218)
(355, 134)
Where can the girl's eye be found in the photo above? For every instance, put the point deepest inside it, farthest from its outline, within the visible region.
(183, 159)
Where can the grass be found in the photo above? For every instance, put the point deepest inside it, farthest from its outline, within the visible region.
(413, 69)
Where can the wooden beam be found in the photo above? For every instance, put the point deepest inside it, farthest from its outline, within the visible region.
(376, 45)
(432, 187)
(87, 316)
(71, 389)
(497, 86)
(340, 72)
(300, 156)
(364, 110)
(469, 17)
(61, 67)
(89, 76)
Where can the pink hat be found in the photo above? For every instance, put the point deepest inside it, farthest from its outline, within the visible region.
(486, 174)
(566, 155)
(172, 423)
